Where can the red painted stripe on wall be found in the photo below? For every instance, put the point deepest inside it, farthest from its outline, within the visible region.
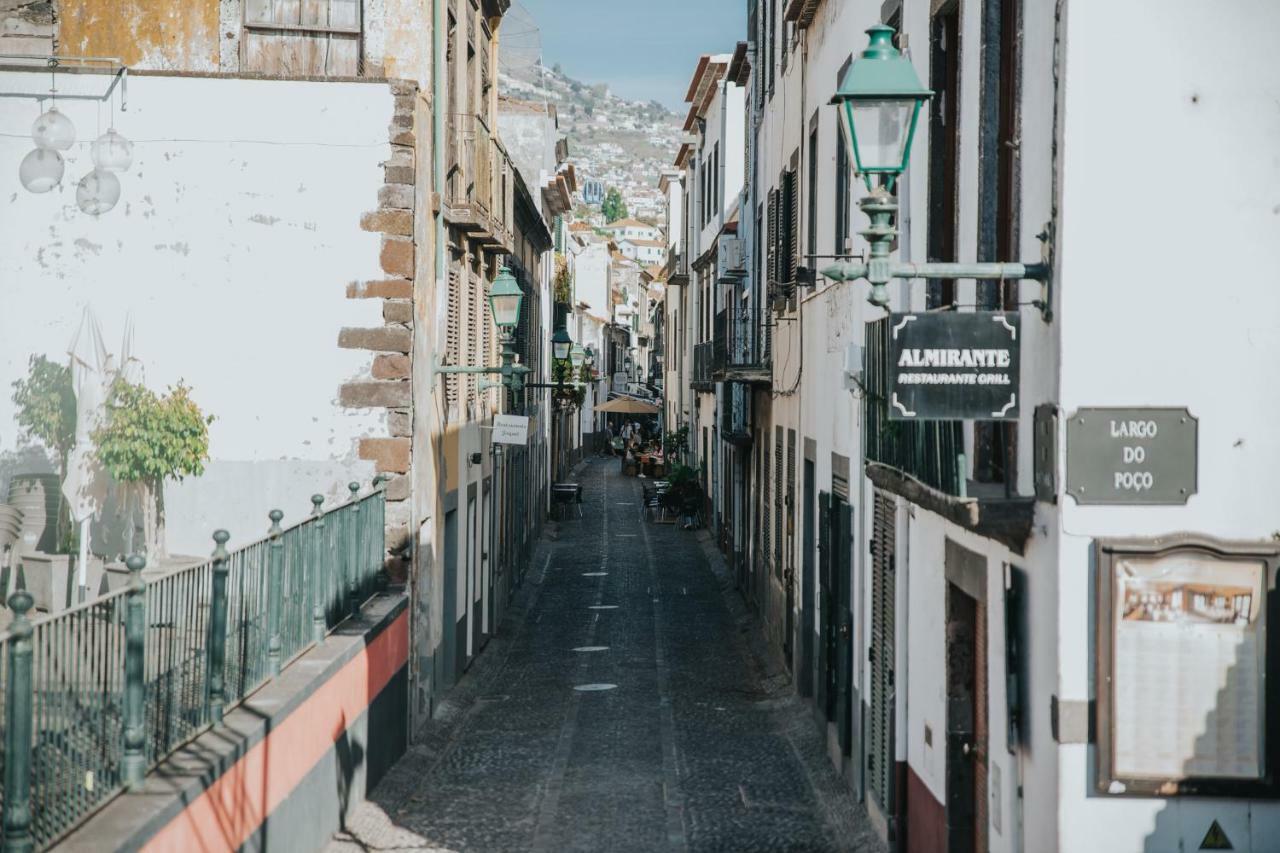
(230, 810)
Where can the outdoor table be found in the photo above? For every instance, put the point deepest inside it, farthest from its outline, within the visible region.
(565, 494)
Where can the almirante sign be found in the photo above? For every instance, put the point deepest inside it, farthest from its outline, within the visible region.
(954, 366)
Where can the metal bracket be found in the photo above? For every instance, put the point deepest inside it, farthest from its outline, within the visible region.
(53, 64)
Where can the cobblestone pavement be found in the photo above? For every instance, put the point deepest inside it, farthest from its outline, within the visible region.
(619, 708)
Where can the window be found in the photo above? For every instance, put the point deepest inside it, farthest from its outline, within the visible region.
(995, 444)
(771, 37)
(944, 146)
(320, 38)
(811, 226)
(843, 176)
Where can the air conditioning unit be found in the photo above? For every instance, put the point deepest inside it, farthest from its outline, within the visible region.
(730, 259)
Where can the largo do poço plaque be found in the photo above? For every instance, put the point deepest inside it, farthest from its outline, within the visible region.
(954, 366)
(1131, 456)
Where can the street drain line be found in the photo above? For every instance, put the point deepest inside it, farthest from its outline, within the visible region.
(549, 806)
(673, 799)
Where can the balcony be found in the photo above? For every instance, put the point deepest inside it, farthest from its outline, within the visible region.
(480, 188)
(925, 461)
(743, 349)
(702, 378)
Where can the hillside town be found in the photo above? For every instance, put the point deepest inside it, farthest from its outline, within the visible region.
(416, 433)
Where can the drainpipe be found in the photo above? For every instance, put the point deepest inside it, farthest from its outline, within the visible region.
(439, 101)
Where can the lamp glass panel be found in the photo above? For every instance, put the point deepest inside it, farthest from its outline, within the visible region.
(560, 351)
(506, 309)
(880, 129)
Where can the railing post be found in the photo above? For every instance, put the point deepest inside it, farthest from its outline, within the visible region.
(384, 577)
(133, 766)
(275, 592)
(318, 570)
(17, 734)
(216, 696)
(353, 553)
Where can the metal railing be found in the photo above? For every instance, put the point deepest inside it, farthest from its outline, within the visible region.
(98, 695)
(703, 365)
(930, 451)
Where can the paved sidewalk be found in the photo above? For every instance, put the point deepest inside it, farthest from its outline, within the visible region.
(619, 708)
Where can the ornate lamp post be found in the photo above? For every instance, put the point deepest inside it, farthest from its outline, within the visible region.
(504, 303)
(879, 102)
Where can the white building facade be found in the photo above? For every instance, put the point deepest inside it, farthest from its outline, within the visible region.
(938, 593)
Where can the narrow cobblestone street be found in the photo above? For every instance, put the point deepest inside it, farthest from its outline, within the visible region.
(619, 708)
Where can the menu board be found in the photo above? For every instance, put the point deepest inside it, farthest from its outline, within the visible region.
(1189, 657)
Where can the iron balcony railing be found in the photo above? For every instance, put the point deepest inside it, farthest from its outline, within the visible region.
(742, 347)
(100, 694)
(703, 365)
(930, 451)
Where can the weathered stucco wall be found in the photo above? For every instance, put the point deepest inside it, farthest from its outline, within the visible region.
(152, 34)
(26, 27)
(232, 247)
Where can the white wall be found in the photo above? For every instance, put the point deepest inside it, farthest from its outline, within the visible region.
(1158, 310)
(231, 247)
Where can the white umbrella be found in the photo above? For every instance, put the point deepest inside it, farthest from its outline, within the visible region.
(85, 487)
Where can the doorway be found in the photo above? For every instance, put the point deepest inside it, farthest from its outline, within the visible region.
(966, 691)
(447, 656)
(804, 683)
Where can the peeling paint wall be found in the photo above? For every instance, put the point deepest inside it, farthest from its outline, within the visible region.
(26, 27)
(151, 34)
(232, 246)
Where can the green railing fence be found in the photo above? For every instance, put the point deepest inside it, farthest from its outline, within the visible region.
(96, 696)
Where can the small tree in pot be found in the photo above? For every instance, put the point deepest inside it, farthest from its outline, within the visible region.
(147, 439)
(46, 411)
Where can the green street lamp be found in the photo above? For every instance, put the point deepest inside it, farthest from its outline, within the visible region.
(505, 297)
(578, 356)
(561, 345)
(504, 301)
(879, 102)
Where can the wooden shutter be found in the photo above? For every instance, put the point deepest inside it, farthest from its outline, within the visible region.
(778, 497)
(314, 38)
(881, 652)
(453, 335)
(824, 602)
(791, 496)
(766, 520)
(842, 548)
(790, 245)
(771, 262)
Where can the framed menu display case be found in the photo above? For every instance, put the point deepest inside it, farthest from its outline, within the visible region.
(1186, 680)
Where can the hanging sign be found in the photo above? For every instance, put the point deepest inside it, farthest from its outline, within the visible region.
(1131, 456)
(954, 366)
(510, 429)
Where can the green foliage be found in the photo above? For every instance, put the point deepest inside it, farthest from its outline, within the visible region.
(561, 371)
(613, 208)
(685, 494)
(149, 438)
(46, 404)
(674, 443)
(563, 283)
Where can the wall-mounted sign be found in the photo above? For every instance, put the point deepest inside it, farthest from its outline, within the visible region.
(510, 429)
(1131, 456)
(1183, 669)
(954, 366)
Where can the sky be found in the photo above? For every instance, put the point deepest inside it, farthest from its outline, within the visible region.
(645, 50)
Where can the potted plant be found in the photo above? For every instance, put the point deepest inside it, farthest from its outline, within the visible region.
(146, 439)
(45, 404)
(46, 411)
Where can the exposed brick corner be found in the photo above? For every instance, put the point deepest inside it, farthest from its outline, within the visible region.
(381, 339)
(388, 454)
